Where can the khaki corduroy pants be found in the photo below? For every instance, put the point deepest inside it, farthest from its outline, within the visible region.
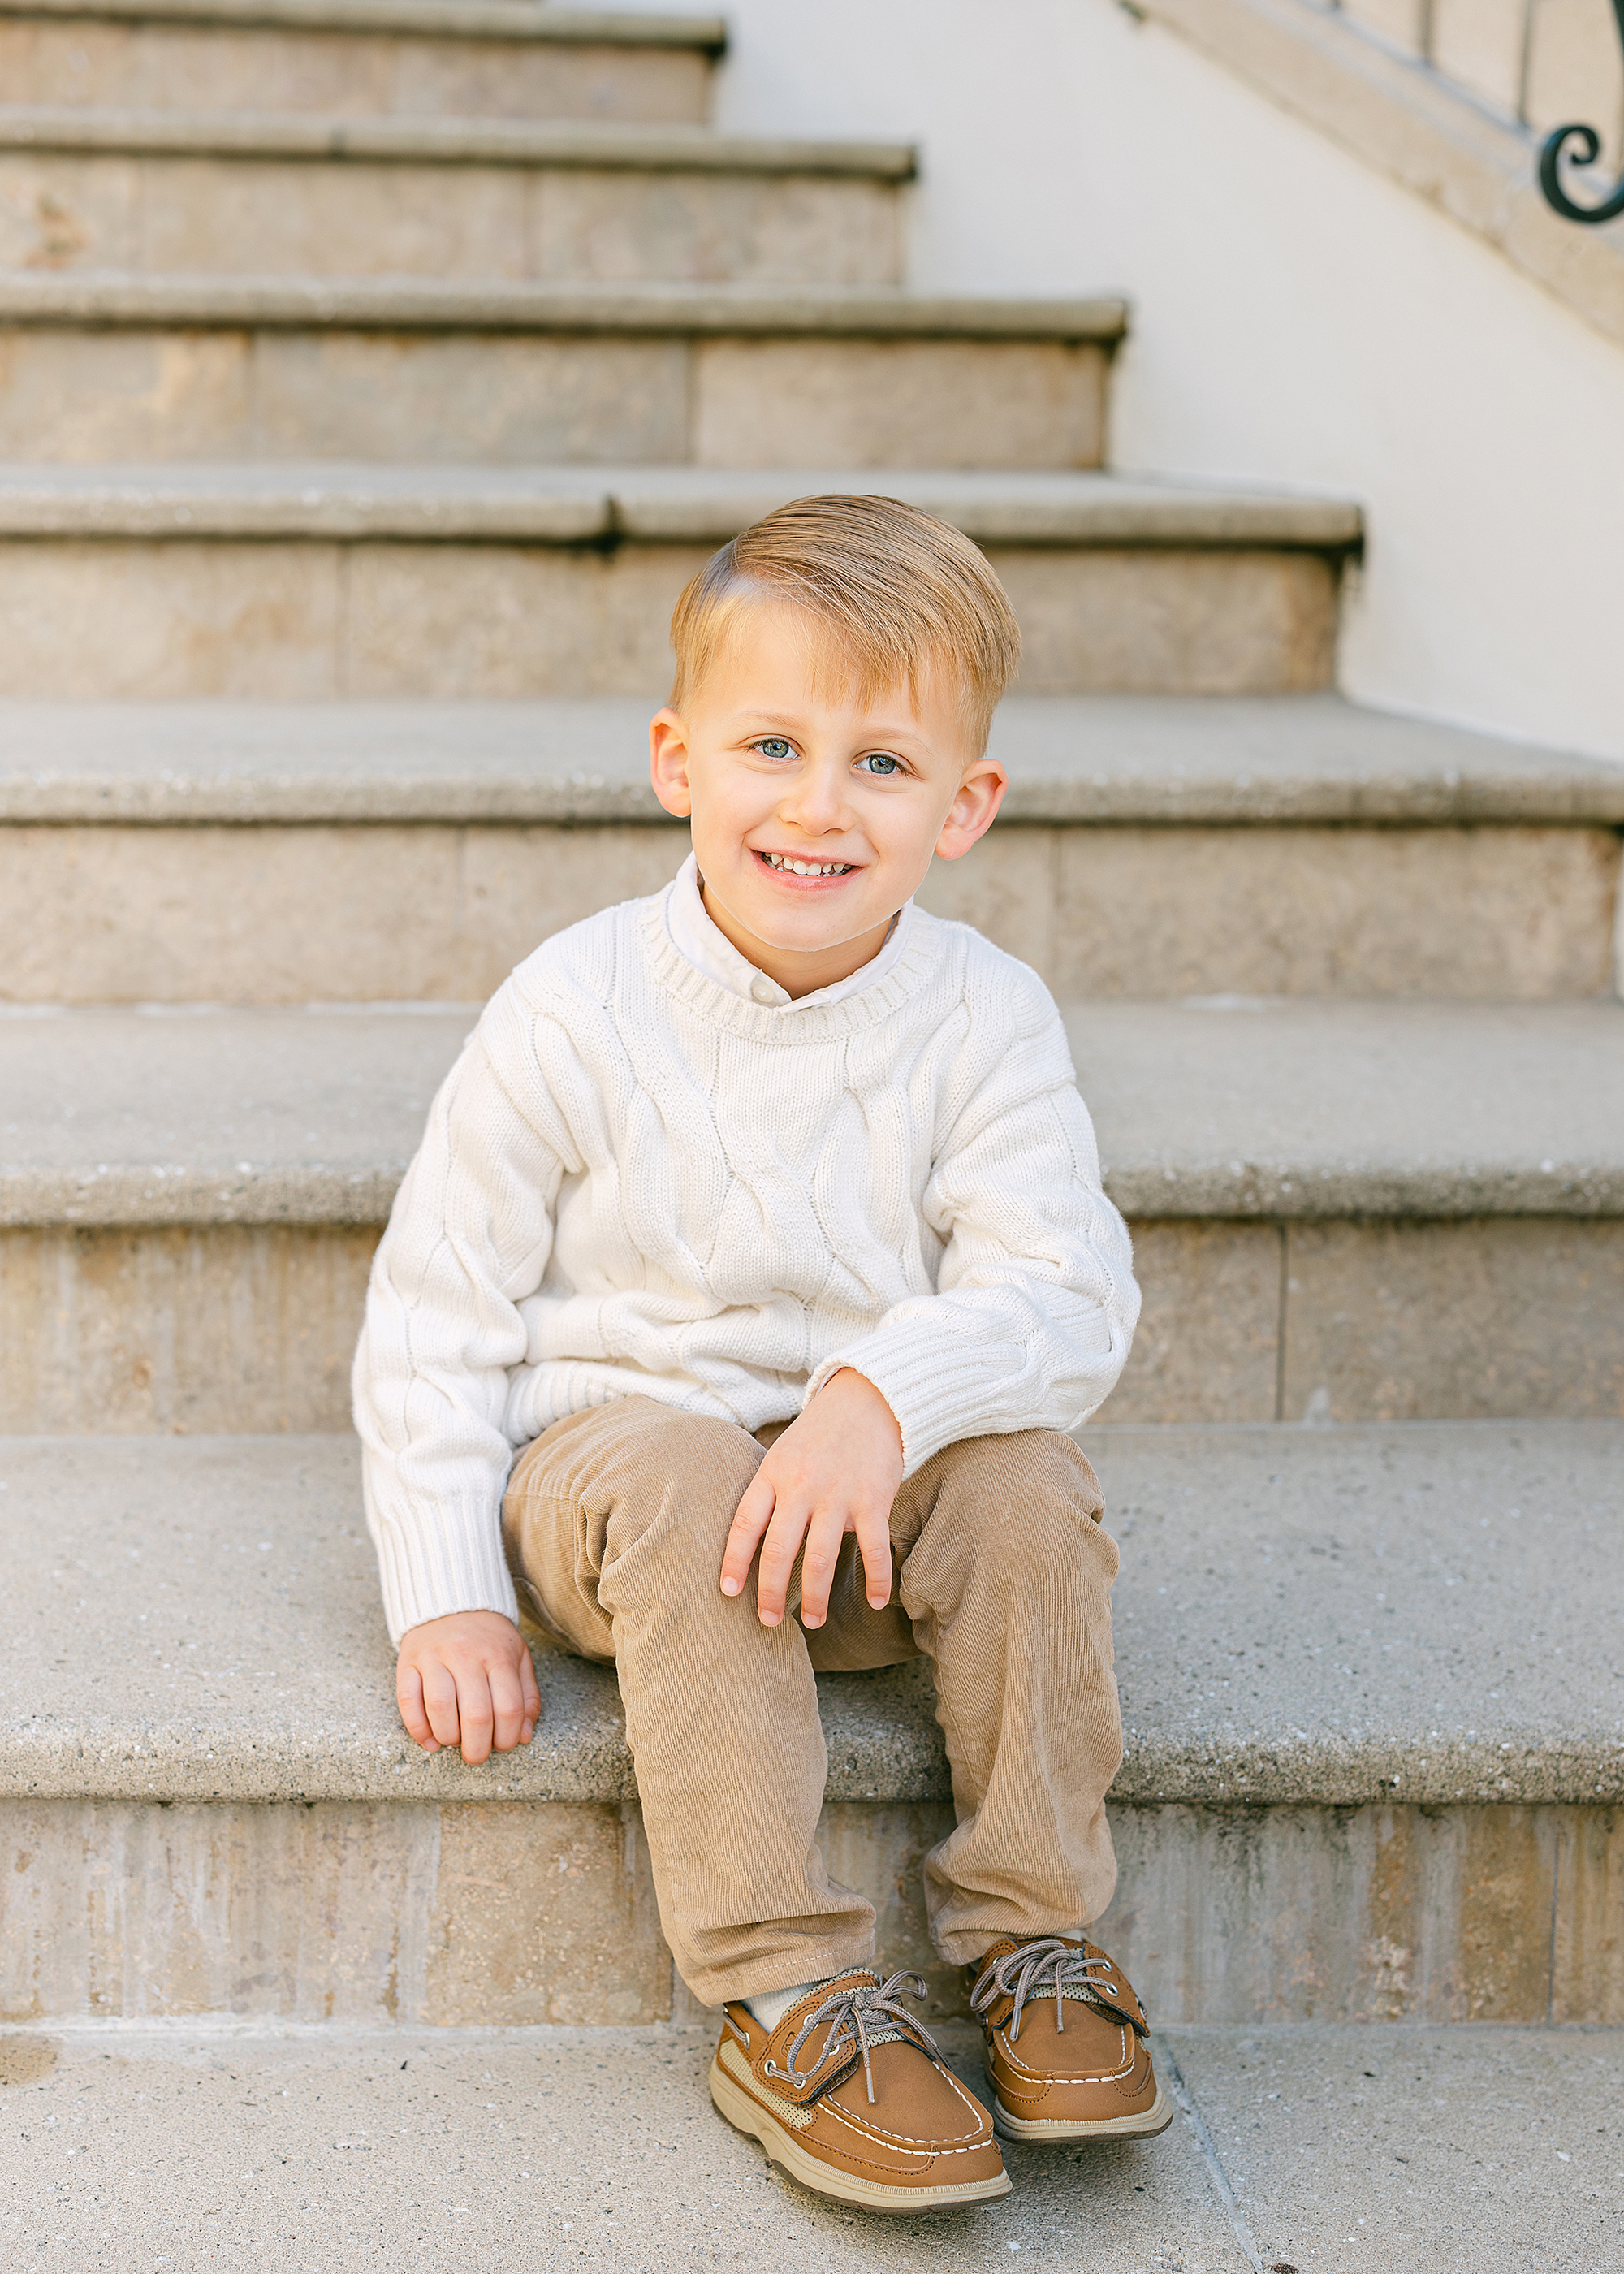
(615, 1523)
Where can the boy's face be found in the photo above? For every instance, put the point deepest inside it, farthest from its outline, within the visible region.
(815, 812)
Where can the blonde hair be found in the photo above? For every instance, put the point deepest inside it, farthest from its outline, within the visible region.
(900, 594)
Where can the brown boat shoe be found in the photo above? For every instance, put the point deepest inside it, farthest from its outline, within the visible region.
(1066, 2057)
(874, 2117)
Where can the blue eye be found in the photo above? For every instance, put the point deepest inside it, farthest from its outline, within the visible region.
(773, 746)
(880, 762)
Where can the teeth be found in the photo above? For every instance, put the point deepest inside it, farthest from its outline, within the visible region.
(808, 868)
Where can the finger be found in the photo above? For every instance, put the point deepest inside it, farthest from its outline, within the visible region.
(440, 1701)
(751, 1519)
(408, 1698)
(476, 1715)
(824, 1535)
(778, 1550)
(507, 1707)
(873, 1528)
(529, 1693)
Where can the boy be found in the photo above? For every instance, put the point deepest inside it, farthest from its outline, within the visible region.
(763, 1219)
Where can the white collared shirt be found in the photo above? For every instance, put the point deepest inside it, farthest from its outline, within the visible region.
(702, 943)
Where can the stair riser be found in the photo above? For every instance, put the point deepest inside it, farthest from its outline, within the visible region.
(1407, 1319)
(308, 620)
(72, 396)
(343, 74)
(177, 1329)
(1462, 1914)
(518, 1912)
(275, 914)
(245, 1329)
(240, 215)
(514, 1913)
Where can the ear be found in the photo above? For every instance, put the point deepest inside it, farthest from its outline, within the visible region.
(973, 811)
(668, 762)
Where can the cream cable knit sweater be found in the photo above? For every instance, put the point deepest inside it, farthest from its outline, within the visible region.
(633, 1179)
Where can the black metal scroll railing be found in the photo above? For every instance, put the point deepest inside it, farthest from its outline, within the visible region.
(1580, 146)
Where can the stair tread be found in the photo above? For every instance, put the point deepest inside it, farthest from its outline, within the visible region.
(431, 140)
(1460, 2133)
(1284, 1108)
(1187, 759)
(1464, 2129)
(1257, 1659)
(557, 2126)
(124, 296)
(475, 19)
(578, 504)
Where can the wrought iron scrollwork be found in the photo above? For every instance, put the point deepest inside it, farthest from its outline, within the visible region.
(1586, 148)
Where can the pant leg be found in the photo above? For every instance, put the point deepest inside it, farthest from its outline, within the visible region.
(615, 1523)
(1005, 1574)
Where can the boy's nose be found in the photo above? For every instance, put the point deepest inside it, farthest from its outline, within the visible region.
(817, 803)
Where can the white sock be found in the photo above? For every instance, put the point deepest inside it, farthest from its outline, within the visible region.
(771, 2006)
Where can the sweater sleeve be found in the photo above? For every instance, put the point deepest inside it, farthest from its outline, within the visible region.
(467, 1240)
(1035, 1301)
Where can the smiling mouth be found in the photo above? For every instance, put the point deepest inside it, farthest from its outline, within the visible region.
(786, 867)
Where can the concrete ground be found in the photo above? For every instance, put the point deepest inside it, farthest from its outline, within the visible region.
(1367, 2150)
(189, 2147)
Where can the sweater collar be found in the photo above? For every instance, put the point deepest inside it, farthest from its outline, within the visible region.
(885, 982)
(701, 942)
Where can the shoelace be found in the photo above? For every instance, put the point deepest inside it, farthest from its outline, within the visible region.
(851, 2014)
(1020, 1974)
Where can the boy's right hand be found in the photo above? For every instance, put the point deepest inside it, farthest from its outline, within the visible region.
(467, 1680)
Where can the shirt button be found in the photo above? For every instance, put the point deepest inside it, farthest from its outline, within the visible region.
(764, 989)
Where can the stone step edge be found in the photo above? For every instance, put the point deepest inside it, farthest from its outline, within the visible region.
(362, 764)
(461, 20)
(311, 1196)
(580, 1754)
(119, 300)
(437, 141)
(1219, 1174)
(592, 506)
(883, 1743)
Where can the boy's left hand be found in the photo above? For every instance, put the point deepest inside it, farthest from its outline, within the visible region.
(836, 1469)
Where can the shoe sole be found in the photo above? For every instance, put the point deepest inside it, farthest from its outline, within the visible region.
(1142, 2126)
(786, 2154)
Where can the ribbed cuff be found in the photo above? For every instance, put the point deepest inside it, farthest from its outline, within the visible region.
(427, 1572)
(935, 1384)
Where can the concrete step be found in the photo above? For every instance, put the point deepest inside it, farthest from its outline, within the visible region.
(1325, 2148)
(1150, 847)
(179, 2139)
(1362, 2149)
(1342, 1211)
(310, 582)
(117, 368)
(511, 200)
(1301, 762)
(1372, 1690)
(417, 58)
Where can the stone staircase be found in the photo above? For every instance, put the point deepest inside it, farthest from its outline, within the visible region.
(373, 373)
